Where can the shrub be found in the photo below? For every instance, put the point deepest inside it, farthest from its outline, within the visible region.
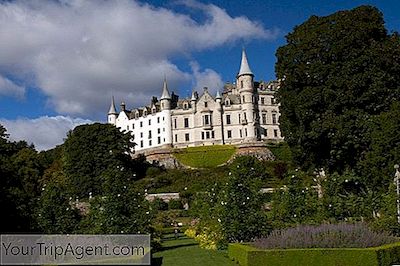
(175, 204)
(341, 235)
(159, 204)
(190, 232)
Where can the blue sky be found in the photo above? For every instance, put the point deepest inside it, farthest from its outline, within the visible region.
(60, 63)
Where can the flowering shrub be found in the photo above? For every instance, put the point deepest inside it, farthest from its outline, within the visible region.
(190, 232)
(210, 239)
(341, 235)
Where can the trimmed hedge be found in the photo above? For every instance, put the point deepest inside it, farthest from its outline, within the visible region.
(205, 156)
(247, 255)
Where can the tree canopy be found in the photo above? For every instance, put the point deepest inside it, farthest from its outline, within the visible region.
(337, 72)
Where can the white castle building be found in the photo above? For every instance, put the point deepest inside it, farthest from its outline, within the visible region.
(246, 112)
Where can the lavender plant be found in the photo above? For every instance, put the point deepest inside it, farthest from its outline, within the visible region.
(342, 235)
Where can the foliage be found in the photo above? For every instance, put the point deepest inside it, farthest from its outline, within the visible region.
(175, 204)
(297, 202)
(384, 153)
(242, 218)
(206, 156)
(159, 204)
(281, 151)
(56, 213)
(89, 151)
(248, 255)
(336, 73)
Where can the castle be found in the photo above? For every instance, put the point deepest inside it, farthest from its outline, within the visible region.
(246, 112)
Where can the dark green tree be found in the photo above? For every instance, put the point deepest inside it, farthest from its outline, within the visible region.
(89, 151)
(240, 211)
(336, 73)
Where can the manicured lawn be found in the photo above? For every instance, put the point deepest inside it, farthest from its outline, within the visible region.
(206, 156)
(185, 251)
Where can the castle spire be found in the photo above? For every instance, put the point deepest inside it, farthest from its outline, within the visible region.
(165, 93)
(244, 66)
(218, 96)
(112, 110)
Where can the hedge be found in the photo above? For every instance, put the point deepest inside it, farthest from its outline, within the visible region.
(247, 255)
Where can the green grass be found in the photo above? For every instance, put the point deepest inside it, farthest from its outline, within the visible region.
(205, 156)
(185, 251)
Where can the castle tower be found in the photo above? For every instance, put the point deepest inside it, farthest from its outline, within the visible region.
(112, 113)
(193, 101)
(218, 100)
(248, 98)
(165, 97)
(165, 101)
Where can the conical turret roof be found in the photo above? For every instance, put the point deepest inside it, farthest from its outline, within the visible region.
(112, 110)
(244, 65)
(165, 93)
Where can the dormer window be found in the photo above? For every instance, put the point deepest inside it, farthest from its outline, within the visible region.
(144, 113)
(205, 104)
(227, 102)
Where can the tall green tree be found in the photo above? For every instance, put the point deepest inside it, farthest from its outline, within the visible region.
(336, 73)
(89, 151)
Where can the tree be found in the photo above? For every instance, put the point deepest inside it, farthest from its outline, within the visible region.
(89, 151)
(336, 73)
(241, 214)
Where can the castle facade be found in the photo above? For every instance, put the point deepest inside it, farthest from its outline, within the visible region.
(245, 112)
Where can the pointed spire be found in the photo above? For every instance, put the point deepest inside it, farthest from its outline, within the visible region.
(244, 66)
(218, 96)
(112, 110)
(165, 93)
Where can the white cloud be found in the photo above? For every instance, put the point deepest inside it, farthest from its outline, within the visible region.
(79, 52)
(7, 87)
(207, 78)
(44, 132)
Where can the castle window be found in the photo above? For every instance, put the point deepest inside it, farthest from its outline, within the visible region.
(176, 138)
(127, 127)
(159, 140)
(202, 135)
(158, 119)
(207, 120)
(245, 116)
(163, 129)
(272, 100)
(243, 99)
(229, 134)
(228, 119)
(141, 124)
(275, 133)
(240, 133)
(187, 137)
(227, 102)
(186, 122)
(264, 118)
(239, 117)
(133, 126)
(149, 142)
(241, 84)
(175, 123)
(262, 100)
(141, 144)
(149, 122)
(154, 110)
(149, 134)
(163, 119)
(212, 134)
(158, 130)
(205, 104)
(185, 106)
(141, 134)
(274, 119)
(245, 132)
(207, 135)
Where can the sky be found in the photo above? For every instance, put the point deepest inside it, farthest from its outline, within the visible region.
(62, 61)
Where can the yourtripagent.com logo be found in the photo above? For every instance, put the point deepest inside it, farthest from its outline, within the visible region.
(75, 249)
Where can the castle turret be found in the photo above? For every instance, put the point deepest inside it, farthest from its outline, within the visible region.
(248, 97)
(165, 101)
(112, 113)
(193, 101)
(165, 97)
